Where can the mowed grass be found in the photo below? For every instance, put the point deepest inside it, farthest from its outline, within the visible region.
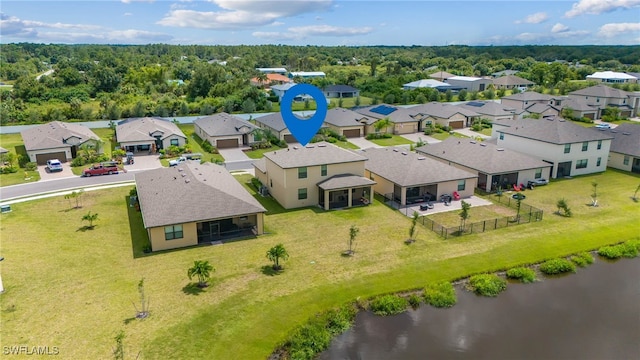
(9, 142)
(74, 289)
(476, 213)
(392, 141)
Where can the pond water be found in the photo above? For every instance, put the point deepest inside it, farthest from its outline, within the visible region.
(593, 314)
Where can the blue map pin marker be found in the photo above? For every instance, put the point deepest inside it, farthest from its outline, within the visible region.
(303, 129)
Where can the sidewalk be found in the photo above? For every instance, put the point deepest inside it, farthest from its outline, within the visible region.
(420, 136)
(470, 133)
(66, 192)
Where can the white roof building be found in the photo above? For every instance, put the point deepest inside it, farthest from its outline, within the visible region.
(612, 77)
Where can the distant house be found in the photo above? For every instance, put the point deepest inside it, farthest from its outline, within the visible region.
(580, 109)
(602, 96)
(341, 91)
(625, 147)
(272, 79)
(347, 122)
(525, 99)
(273, 70)
(224, 131)
(193, 204)
(443, 114)
(544, 110)
(570, 148)
(148, 133)
(492, 110)
(275, 124)
(307, 74)
(407, 177)
(612, 77)
(494, 166)
(428, 83)
(441, 75)
(508, 82)
(469, 83)
(319, 174)
(280, 90)
(402, 121)
(504, 73)
(57, 140)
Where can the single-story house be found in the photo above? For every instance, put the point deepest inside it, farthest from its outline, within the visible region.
(307, 74)
(401, 119)
(624, 153)
(273, 70)
(494, 166)
(512, 81)
(193, 204)
(602, 96)
(612, 77)
(580, 108)
(470, 83)
(274, 123)
(341, 91)
(428, 83)
(347, 122)
(407, 177)
(272, 79)
(543, 110)
(570, 148)
(319, 174)
(443, 114)
(441, 75)
(148, 134)
(224, 131)
(57, 140)
(279, 90)
(492, 110)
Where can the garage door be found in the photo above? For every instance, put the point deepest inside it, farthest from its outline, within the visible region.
(589, 116)
(41, 159)
(456, 124)
(290, 139)
(351, 133)
(227, 143)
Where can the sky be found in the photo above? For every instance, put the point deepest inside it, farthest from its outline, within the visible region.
(322, 22)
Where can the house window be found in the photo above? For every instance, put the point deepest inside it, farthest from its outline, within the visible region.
(302, 194)
(599, 144)
(567, 148)
(581, 164)
(461, 184)
(501, 136)
(625, 161)
(538, 173)
(172, 232)
(323, 170)
(270, 182)
(302, 172)
(175, 142)
(598, 162)
(585, 146)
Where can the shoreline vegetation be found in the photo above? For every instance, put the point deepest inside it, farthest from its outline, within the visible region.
(315, 336)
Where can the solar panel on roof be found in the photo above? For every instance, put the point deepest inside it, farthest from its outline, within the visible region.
(383, 110)
(475, 103)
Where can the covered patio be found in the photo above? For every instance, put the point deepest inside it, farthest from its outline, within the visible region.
(344, 191)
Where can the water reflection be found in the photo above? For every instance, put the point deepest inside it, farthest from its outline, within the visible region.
(594, 314)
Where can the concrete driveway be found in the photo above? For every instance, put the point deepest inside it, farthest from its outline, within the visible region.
(144, 162)
(46, 175)
(470, 133)
(415, 137)
(234, 154)
(363, 143)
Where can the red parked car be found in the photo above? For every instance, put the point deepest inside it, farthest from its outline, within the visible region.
(101, 169)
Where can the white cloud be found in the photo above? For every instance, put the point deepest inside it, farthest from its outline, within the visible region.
(534, 18)
(10, 25)
(127, 14)
(301, 32)
(559, 28)
(277, 23)
(130, 1)
(596, 7)
(614, 29)
(239, 14)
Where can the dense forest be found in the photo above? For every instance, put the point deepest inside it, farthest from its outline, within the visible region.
(91, 82)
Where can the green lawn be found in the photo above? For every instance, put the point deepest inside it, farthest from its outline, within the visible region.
(346, 145)
(394, 140)
(258, 153)
(445, 135)
(85, 281)
(9, 142)
(187, 129)
(477, 214)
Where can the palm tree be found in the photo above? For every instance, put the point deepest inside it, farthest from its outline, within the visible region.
(202, 269)
(382, 124)
(275, 254)
(90, 218)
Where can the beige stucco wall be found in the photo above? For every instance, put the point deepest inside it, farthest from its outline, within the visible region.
(382, 186)
(33, 153)
(405, 128)
(340, 130)
(616, 161)
(167, 141)
(156, 236)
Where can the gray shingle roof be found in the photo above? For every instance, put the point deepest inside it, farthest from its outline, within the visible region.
(223, 124)
(410, 169)
(430, 83)
(140, 129)
(511, 80)
(528, 96)
(626, 139)
(312, 155)
(344, 181)
(344, 117)
(260, 164)
(490, 108)
(211, 193)
(54, 135)
(441, 110)
(399, 115)
(539, 108)
(602, 91)
(578, 105)
(273, 121)
(481, 156)
(340, 88)
(551, 130)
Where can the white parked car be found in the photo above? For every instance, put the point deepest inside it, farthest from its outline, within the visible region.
(54, 165)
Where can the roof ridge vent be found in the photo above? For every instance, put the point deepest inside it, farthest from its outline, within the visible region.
(483, 144)
(626, 133)
(395, 150)
(187, 180)
(500, 149)
(322, 145)
(404, 153)
(472, 142)
(421, 158)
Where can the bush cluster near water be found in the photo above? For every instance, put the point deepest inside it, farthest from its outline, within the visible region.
(441, 294)
(388, 305)
(557, 266)
(523, 274)
(582, 259)
(487, 284)
(628, 249)
(315, 336)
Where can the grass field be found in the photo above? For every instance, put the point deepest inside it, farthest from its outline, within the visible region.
(392, 141)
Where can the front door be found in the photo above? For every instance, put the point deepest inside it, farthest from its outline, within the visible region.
(635, 167)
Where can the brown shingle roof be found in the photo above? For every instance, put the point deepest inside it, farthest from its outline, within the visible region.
(551, 130)
(191, 192)
(343, 117)
(511, 80)
(406, 168)
(55, 134)
(223, 124)
(528, 96)
(311, 155)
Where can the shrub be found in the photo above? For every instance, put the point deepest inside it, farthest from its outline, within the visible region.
(31, 166)
(441, 294)
(628, 249)
(582, 259)
(8, 169)
(256, 183)
(557, 266)
(523, 274)
(487, 284)
(388, 305)
(414, 301)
